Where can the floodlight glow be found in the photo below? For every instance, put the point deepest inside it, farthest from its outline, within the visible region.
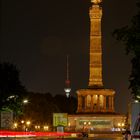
(136, 101)
(67, 90)
(138, 96)
(119, 124)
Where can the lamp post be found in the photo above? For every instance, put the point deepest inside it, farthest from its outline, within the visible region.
(15, 125)
(27, 125)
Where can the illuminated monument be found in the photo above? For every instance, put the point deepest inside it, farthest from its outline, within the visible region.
(95, 98)
(95, 109)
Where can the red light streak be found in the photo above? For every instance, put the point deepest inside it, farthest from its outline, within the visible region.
(33, 134)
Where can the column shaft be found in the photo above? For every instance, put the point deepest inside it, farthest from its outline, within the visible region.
(91, 108)
(98, 103)
(104, 103)
(113, 103)
(85, 107)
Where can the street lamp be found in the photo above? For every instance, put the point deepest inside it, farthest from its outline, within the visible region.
(27, 123)
(15, 125)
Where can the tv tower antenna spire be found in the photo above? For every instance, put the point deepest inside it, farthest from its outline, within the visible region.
(67, 88)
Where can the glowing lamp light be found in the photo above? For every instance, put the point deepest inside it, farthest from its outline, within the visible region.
(22, 121)
(119, 124)
(25, 101)
(89, 123)
(15, 125)
(67, 90)
(136, 101)
(85, 123)
(122, 124)
(46, 128)
(96, 1)
(37, 126)
(28, 123)
(138, 96)
(69, 124)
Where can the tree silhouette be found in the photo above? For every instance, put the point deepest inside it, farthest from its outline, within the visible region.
(130, 36)
(40, 108)
(11, 89)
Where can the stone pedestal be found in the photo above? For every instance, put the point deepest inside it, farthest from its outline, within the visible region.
(105, 122)
(95, 100)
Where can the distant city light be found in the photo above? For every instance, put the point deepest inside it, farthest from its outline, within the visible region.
(15, 125)
(89, 123)
(119, 124)
(138, 96)
(22, 121)
(122, 124)
(25, 101)
(37, 127)
(136, 101)
(28, 123)
(46, 128)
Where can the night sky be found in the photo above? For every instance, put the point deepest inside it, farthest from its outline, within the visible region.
(38, 34)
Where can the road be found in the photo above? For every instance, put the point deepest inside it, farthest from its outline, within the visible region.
(45, 138)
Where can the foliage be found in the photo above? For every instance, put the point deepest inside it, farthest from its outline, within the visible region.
(41, 107)
(130, 36)
(11, 90)
(66, 105)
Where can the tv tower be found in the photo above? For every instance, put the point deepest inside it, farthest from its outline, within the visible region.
(67, 88)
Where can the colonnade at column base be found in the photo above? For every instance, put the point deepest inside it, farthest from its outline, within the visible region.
(95, 100)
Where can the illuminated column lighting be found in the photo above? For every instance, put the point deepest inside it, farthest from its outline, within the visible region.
(95, 63)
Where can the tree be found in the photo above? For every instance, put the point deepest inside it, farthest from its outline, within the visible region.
(66, 105)
(130, 36)
(11, 89)
(40, 108)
